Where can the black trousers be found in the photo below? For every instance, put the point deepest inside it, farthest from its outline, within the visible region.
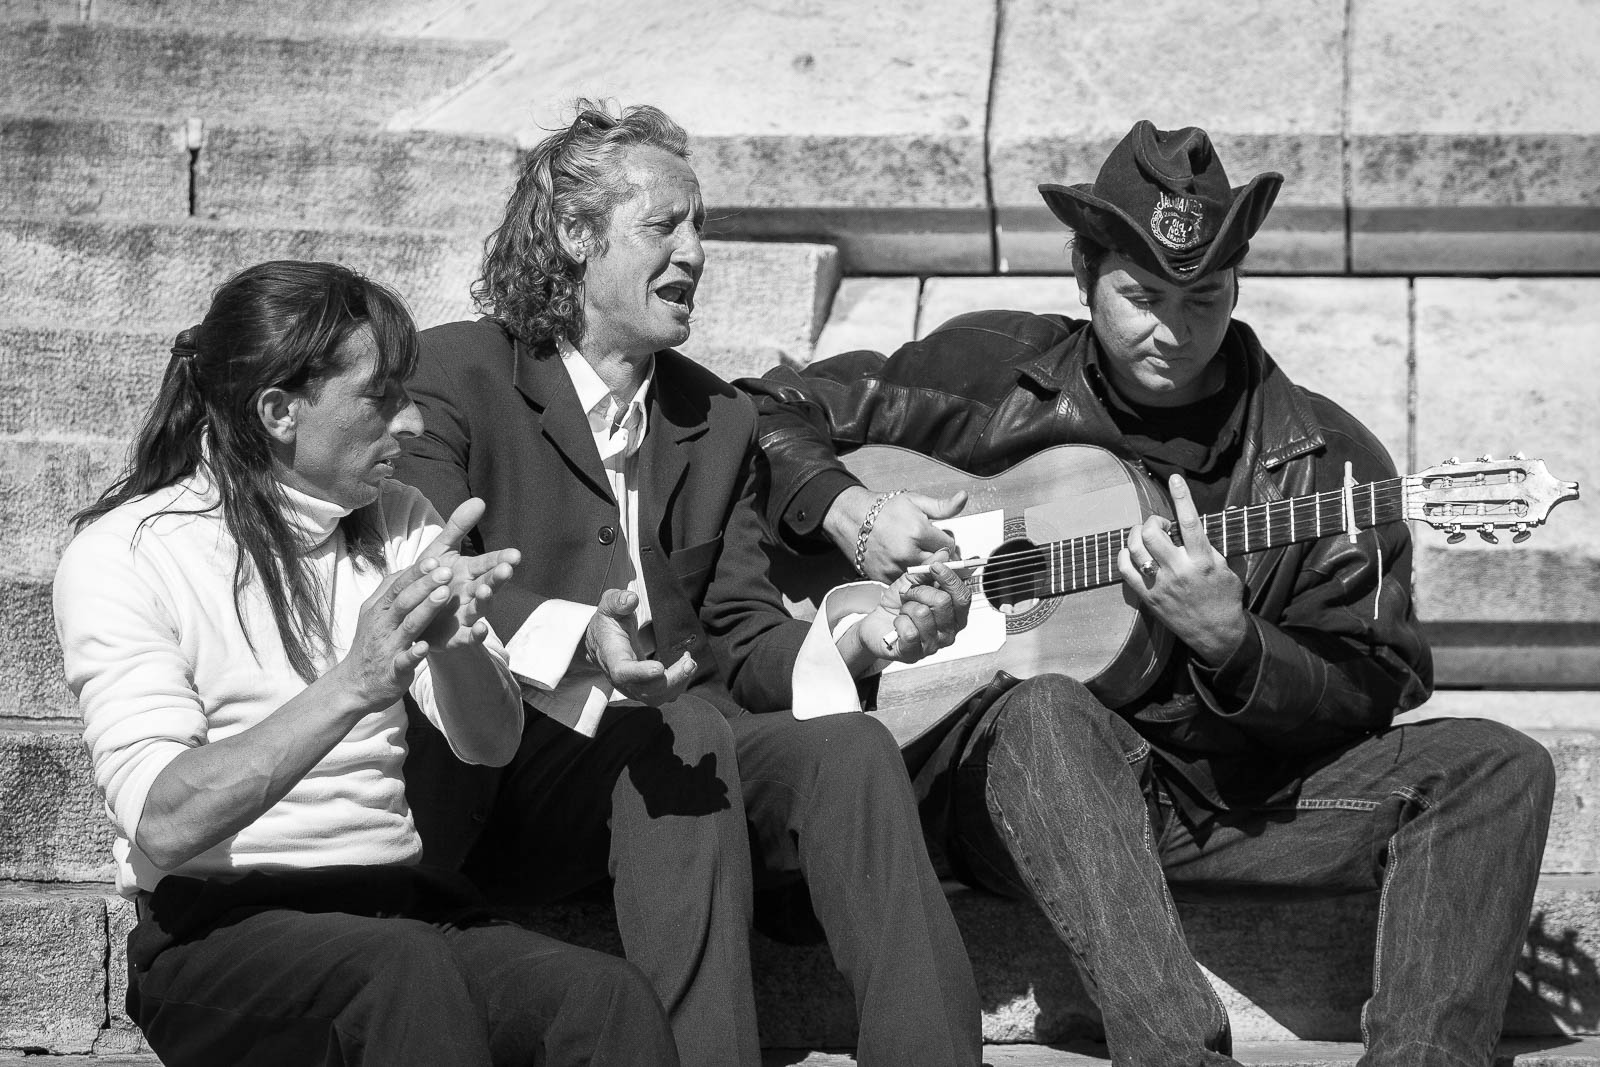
(374, 966)
(673, 803)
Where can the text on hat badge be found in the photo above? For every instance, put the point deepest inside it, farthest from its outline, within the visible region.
(1176, 221)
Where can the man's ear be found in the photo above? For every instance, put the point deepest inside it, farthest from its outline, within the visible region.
(279, 412)
(1080, 272)
(574, 238)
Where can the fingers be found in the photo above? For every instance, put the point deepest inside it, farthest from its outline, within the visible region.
(618, 603)
(940, 507)
(1193, 530)
(460, 523)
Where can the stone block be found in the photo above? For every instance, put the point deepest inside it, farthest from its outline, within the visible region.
(945, 298)
(1463, 162)
(832, 121)
(412, 181)
(74, 382)
(78, 168)
(873, 313)
(172, 74)
(1346, 338)
(33, 685)
(276, 18)
(1506, 365)
(42, 484)
(759, 304)
(120, 1035)
(1071, 79)
(52, 969)
(53, 825)
(116, 275)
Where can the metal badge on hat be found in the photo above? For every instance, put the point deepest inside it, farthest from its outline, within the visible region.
(1177, 221)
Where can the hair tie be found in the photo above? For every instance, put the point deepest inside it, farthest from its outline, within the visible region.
(183, 347)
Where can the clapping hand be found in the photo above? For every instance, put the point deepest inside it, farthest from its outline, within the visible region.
(468, 580)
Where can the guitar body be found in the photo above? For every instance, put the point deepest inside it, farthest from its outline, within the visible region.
(1097, 635)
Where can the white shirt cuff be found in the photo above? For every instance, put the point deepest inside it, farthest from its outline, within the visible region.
(541, 650)
(822, 683)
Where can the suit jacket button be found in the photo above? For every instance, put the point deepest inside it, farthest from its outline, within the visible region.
(606, 535)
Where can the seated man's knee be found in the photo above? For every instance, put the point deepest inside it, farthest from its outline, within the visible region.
(1055, 718)
(1500, 759)
(859, 745)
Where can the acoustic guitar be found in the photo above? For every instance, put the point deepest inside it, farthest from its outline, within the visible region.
(1047, 595)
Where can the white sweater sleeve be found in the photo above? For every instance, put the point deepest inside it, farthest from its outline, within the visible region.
(412, 525)
(123, 661)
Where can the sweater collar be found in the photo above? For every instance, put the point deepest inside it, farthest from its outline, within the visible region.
(311, 517)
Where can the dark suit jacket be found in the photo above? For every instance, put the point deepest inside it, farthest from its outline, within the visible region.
(505, 425)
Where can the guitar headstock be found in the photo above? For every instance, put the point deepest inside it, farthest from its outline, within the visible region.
(1485, 495)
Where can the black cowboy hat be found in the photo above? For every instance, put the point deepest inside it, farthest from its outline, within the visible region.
(1162, 199)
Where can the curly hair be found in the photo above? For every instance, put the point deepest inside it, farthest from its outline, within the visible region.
(572, 179)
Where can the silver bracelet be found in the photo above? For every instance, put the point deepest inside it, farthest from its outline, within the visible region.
(866, 528)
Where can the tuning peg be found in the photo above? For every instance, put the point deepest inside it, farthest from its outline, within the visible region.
(1453, 460)
(1456, 536)
(1486, 458)
(1487, 533)
(1519, 456)
(1522, 534)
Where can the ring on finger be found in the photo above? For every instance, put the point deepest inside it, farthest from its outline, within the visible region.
(1149, 568)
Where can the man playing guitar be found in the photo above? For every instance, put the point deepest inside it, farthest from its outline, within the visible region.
(1260, 750)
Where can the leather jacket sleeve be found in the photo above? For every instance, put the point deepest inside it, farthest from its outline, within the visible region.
(1335, 648)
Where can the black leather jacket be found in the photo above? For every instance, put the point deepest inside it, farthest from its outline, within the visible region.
(1335, 650)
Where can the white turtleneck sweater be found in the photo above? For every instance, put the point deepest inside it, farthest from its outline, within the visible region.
(156, 656)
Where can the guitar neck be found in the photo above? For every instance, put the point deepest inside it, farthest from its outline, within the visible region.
(1086, 562)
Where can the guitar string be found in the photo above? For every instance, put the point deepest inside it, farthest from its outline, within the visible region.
(1020, 571)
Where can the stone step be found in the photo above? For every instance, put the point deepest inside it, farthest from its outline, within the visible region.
(53, 829)
(89, 70)
(1512, 1052)
(758, 303)
(262, 18)
(1286, 972)
(80, 167)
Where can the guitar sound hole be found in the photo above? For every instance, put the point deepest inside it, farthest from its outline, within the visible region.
(1015, 577)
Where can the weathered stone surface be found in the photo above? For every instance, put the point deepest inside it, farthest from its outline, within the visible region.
(42, 483)
(945, 298)
(874, 313)
(52, 821)
(32, 685)
(1503, 365)
(173, 74)
(84, 167)
(120, 1035)
(1463, 162)
(413, 181)
(276, 18)
(69, 381)
(757, 303)
(1073, 78)
(52, 969)
(826, 120)
(116, 275)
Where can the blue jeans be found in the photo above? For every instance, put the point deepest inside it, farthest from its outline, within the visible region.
(1055, 798)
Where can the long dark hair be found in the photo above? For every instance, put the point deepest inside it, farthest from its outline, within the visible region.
(280, 324)
(573, 177)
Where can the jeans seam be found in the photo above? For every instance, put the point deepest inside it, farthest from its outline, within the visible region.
(1377, 950)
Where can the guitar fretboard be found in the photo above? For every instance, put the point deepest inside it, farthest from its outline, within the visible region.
(1089, 561)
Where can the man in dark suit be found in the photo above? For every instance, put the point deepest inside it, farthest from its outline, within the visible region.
(643, 626)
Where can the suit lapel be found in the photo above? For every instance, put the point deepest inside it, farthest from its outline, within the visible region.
(664, 456)
(544, 382)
